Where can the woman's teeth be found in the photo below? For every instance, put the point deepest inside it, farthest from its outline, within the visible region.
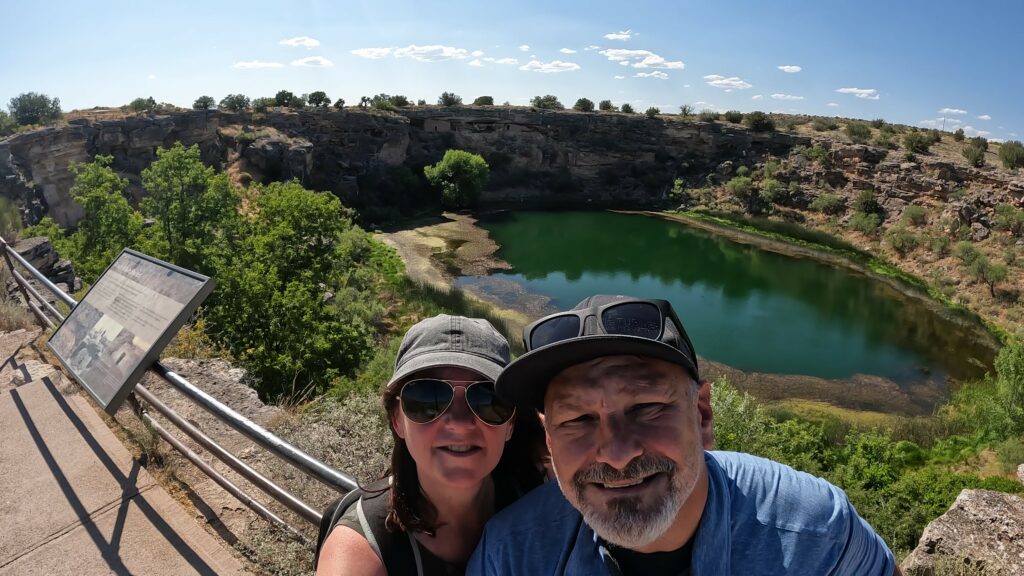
(459, 448)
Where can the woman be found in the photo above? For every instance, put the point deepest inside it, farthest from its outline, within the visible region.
(460, 455)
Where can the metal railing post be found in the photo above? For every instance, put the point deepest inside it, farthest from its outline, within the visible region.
(4, 247)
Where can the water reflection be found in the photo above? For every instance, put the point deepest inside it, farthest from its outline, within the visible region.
(743, 306)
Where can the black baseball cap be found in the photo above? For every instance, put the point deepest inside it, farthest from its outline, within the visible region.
(524, 382)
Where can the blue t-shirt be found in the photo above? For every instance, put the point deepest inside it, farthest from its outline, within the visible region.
(761, 518)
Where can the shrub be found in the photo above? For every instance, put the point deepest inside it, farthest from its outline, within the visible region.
(828, 203)
(759, 122)
(1012, 154)
(974, 151)
(204, 103)
(991, 274)
(958, 135)
(626, 108)
(866, 223)
(686, 110)
(815, 153)
(460, 176)
(867, 203)
(484, 101)
(902, 240)
(319, 99)
(142, 104)
(261, 104)
(584, 105)
(734, 116)
(771, 189)
(878, 123)
(918, 142)
(383, 102)
(449, 99)
(7, 124)
(652, 112)
(422, 102)
(966, 252)
(339, 103)
(237, 102)
(34, 108)
(605, 106)
(884, 140)
(548, 102)
(1010, 219)
(708, 115)
(858, 132)
(743, 171)
(824, 125)
(916, 215)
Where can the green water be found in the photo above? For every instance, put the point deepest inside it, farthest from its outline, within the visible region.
(743, 306)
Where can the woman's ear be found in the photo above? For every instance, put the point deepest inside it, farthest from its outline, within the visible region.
(510, 429)
(397, 423)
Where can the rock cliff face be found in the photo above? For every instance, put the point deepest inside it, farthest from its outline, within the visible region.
(536, 156)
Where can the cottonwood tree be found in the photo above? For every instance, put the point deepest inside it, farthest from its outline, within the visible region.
(460, 176)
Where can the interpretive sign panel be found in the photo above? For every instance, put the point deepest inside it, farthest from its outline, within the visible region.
(125, 320)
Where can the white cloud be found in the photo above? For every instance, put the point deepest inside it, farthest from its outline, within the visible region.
(371, 53)
(507, 61)
(304, 41)
(618, 77)
(592, 47)
(786, 97)
(524, 48)
(620, 35)
(313, 62)
(432, 53)
(865, 93)
(757, 97)
(656, 74)
(984, 117)
(952, 111)
(254, 64)
(686, 85)
(567, 51)
(972, 131)
(727, 83)
(552, 67)
(151, 77)
(832, 105)
(476, 63)
(477, 53)
(640, 59)
(941, 123)
(790, 68)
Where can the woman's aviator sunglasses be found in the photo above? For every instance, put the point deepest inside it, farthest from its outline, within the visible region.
(427, 399)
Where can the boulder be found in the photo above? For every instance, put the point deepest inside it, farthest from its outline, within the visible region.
(979, 232)
(983, 528)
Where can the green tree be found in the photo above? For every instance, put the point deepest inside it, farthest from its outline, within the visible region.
(7, 124)
(196, 210)
(606, 106)
(142, 104)
(974, 151)
(339, 103)
(958, 135)
(236, 102)
(449, 99)
(34, 108)
(584, 105)
(204, 103)
(858, 132)
(734, 116)
(652, 112)
(484, 101)
(400, 101)
(686, 110)
(626, 108)
(262, 104)
(318, 99)
(546, 102)
(1010, 153)
(759, 122)
(383, 102)
(966, 252)
(917, 142)
(460, 176)
(109, 223)
(984, 271)
(284, 98)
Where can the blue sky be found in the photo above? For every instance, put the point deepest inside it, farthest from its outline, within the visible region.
(911, 61)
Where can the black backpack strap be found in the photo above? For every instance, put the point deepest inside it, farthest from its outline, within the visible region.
(399, 551)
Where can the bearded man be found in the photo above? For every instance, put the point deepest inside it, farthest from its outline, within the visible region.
(627, 421)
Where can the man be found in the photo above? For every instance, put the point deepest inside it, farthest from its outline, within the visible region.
(626, 420)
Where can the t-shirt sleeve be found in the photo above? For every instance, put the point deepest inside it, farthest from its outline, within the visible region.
(481, 562)
(865, 553)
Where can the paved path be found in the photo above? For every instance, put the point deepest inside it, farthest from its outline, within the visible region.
(73, 500)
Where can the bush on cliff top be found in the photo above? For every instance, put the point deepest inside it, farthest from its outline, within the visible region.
(34, 108)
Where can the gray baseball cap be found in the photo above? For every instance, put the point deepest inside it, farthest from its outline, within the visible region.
(456, 341)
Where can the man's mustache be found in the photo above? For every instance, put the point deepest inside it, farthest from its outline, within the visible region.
(637, 468)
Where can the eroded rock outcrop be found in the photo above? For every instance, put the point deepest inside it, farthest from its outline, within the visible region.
(983, 528)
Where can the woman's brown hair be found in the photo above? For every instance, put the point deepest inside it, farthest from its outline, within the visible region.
(520, 468)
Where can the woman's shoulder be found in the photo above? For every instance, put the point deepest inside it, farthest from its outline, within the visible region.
(348, 553)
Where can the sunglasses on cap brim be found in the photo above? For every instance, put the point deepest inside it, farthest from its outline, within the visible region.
(424, 400)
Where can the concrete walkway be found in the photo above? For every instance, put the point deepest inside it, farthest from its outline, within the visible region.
(73, 500)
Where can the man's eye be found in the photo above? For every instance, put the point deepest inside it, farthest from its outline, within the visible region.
(579, 420)
(648, 410)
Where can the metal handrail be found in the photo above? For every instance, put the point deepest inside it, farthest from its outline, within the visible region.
(261, 436)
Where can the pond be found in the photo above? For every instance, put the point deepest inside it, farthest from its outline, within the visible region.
(743, 306)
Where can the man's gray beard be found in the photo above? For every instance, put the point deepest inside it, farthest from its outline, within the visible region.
(628, 521)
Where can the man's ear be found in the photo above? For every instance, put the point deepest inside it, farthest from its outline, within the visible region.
(707, 424)
(547, 437)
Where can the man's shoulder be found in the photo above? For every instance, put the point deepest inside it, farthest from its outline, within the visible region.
(777, 495)
(541, 509)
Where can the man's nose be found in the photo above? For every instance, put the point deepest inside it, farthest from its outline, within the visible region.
(618, 444)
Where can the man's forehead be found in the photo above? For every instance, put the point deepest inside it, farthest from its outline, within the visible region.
(630, 374)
